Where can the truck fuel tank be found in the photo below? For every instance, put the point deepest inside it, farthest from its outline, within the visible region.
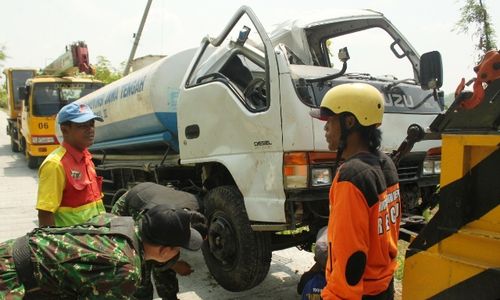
(141, 108)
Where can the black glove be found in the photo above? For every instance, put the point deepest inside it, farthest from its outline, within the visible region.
(199, 222)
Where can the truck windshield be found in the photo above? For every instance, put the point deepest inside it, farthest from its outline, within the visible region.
(19, 78)
(48, 98)
(370, 54)
(371, 61)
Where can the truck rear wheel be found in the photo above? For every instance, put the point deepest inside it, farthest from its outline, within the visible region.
(236, 256)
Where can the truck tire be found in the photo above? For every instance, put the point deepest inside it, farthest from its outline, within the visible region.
(237, 257)
(117, 196)
(13, 145)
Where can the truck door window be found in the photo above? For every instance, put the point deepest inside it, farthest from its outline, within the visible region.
(237, 63)
(250, 80)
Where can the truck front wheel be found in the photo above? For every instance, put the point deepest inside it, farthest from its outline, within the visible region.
(32, 160)
(236, 256)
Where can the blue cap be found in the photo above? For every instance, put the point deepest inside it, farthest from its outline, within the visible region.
(77, 113)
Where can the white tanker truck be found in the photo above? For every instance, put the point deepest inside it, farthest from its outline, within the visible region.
(230, 122)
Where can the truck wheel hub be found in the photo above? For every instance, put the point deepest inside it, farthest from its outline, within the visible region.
(221, 239)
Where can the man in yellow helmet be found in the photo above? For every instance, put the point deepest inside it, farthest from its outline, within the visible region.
(365, 205)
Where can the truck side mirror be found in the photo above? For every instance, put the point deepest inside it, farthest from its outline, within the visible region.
(431, 70)
(23, 95)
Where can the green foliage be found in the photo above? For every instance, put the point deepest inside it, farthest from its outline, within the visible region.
(3, 56)
(293, 232)
(402, 247)
(3, 92)
(105, 72)
(474, 18)
(3, 97)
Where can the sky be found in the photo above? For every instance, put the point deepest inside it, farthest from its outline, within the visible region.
(34, 32)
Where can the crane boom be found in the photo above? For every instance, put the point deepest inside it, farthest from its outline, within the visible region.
(75, 59)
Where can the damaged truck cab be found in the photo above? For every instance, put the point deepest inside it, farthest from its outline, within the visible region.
(230, 122)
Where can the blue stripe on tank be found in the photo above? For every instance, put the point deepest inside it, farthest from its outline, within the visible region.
(146, 129)
(137, 141)
(168, 120)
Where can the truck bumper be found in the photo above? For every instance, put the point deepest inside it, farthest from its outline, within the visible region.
(40, 150)
(308, 195)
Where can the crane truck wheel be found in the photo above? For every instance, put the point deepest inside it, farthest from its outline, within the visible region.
(236, 256)
(32, 160)
(13, 145)
(117, 196)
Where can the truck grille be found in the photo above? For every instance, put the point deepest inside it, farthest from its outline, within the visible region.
(409, 172)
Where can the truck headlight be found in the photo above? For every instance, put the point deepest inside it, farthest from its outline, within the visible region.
(431, 167)
(437, 167)
(432, 162)
(42, 140)
(307, 169)
(321, 176)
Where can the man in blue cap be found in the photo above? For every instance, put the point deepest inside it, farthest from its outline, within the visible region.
(69, 190)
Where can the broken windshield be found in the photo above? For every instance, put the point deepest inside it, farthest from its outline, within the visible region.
(48, 98)
(370, 54)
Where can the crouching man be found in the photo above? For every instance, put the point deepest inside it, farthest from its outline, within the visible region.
(145, 196)
(100, 259)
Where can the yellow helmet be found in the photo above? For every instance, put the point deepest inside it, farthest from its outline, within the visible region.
(364, 101)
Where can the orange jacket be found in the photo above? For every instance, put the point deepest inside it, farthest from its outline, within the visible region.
(363, 227)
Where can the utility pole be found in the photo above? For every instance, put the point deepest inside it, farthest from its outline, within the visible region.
(137, 38)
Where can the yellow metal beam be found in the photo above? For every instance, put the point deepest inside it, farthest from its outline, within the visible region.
(460, 153)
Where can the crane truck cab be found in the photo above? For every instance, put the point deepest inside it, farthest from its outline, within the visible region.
(229, 121)
(37, 98)
(15, 78)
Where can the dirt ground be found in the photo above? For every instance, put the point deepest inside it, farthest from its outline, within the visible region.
(286, 268)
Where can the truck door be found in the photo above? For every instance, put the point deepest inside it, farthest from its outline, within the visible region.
(229, 113)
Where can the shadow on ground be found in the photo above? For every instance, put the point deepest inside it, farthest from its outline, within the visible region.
(280, 283)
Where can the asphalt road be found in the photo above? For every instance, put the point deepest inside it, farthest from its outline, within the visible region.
(18, 187)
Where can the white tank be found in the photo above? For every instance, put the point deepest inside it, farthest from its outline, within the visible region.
(141, 108)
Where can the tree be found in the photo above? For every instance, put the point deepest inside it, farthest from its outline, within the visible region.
(3, 56)
(3, 92)
(105, 72)
(475, 18)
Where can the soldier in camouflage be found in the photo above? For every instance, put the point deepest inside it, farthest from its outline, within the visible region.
(145, 196)
(101, 259)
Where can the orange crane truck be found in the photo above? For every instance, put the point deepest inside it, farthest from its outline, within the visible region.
(35, 99)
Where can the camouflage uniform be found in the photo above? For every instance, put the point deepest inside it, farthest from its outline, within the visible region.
(75, 266)
(165, 278)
